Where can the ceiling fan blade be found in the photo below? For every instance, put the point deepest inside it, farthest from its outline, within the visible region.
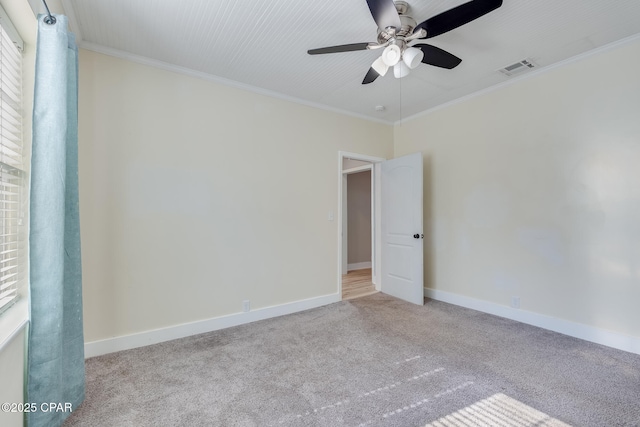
(438, 57)
(458, 16)
(341, 48)
(370, 77)
(384, 13)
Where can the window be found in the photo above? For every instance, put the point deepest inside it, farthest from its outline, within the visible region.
(13, 175)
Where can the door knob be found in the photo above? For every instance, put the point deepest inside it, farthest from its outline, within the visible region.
(416, 236)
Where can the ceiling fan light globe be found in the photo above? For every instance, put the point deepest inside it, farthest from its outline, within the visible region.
(380, 67)
(412, 57)
(391, 55)
(401, 70)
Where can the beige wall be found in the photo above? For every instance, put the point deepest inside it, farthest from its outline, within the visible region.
(196, 196)
(533, 190)
(359, 217)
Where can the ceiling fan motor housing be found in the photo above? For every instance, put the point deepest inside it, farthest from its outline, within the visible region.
(389, 34)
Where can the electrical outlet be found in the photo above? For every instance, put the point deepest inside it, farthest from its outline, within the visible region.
(246, 306)
(515, 302)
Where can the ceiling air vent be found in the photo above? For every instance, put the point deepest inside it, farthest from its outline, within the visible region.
(518, 67)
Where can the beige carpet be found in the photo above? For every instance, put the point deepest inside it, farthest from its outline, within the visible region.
(372, 361)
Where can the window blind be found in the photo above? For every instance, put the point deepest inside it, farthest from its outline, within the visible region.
(13, 177)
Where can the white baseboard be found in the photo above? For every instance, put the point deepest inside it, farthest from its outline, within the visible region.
(141, 339)
(578, 330)
(359, 266)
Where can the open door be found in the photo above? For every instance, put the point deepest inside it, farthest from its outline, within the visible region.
(402, 234)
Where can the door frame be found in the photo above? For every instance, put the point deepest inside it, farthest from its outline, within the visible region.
(375, 211)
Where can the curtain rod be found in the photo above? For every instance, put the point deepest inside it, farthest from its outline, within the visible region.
(49, 19)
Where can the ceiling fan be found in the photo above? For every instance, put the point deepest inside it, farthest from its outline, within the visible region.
(397, 30)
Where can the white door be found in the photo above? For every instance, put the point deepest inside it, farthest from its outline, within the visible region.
(402, 238)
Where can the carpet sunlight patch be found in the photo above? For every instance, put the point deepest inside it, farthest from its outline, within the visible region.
(497, 410)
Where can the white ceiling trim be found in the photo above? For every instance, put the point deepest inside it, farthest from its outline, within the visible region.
(526, 76)
(220, 80)
(260, 91)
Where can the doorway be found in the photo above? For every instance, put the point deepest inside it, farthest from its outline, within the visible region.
(358, 279)
(396, 224)
(357, 226)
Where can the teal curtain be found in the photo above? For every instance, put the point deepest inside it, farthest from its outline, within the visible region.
(55, 366)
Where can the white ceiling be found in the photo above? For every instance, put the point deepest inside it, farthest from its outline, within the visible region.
(263, 44)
